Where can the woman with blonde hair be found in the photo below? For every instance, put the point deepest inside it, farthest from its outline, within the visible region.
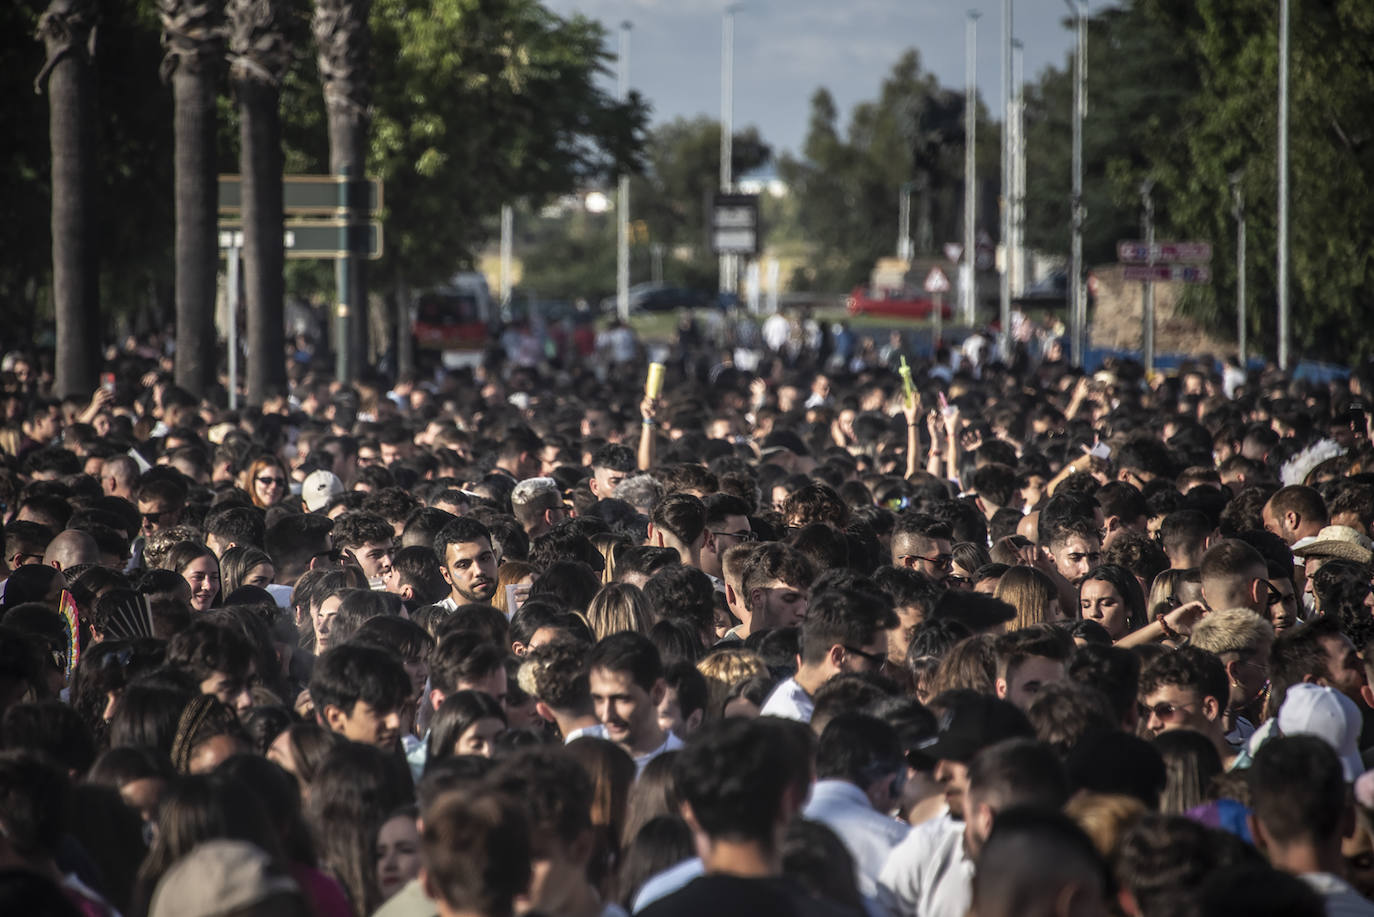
(724, 669)
(266, 481)
(516, 573)
(610, 544)
(1032, 594)
(618, 607)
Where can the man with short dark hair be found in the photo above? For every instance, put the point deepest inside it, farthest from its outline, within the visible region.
(537, 504)
(1234, 575)
(727, 525)
(370, 539)
(1015, 772)
(1039, 862)
(219, 658)
(232, 526)
(923, 543)
(1028, 660)
(467, 561)
(775, 585)
(1075, 548)
(1295, 512)
(1300, 811)
(742, 782)
(1185, 535)
(611, 464)
(557, 673)
(625, 677)
(845, 631)
(860, 775)
(678, 521)
(358, 692)
(1186, 689)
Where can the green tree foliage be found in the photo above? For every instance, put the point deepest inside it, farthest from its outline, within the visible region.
(1186, 92)
(847, 187)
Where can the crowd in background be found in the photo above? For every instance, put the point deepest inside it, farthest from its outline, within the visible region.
(792, 633)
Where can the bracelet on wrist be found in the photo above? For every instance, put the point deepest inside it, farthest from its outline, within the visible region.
(1169, 632)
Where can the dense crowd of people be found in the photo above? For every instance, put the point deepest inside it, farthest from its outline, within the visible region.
(798, 631)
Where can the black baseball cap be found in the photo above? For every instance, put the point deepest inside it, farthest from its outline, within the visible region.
(969, 722)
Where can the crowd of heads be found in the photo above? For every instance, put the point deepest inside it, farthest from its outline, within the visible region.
(526, 639)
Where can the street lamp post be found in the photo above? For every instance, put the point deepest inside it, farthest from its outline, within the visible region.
(622, 209)
(727, 128)
(968, 281)
(1004, 310)
(1078, 310)
(1147, 305)
(1238, 211)
(1283, 185)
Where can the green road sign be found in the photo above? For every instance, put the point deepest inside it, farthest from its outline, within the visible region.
(304, 195)
(318, 239)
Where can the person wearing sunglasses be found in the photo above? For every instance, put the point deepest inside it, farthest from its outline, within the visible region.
(845, 631)
(1186, 689)
(924, 544)
(1234, 575)
(266, 481)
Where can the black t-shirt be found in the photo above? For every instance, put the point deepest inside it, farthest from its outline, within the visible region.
(733, 896)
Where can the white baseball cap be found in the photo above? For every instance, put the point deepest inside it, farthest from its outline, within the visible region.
(1315, 710)
(319, 488)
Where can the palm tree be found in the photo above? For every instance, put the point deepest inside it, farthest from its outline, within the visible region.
(193, 36)
(67, 30)
(259, 55)
(343, 40)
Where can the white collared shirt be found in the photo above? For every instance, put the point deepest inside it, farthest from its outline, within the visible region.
(789, 701)
(869, 834)
(928, 873)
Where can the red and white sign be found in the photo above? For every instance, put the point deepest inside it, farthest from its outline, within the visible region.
(954, 251)
(1163, 273)
(1134, 252)
(936, 281)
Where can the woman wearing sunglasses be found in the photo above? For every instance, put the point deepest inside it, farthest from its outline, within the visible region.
(266, 481)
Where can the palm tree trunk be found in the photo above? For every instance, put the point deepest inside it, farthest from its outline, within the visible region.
(67, 30)
(193, 38)
(259, 58)
(343, 38)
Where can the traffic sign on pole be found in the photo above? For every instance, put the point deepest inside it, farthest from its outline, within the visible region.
(936, 281)
(1129, 251)
(1163, 273)
(954, 251)
(303, 195)
(319, 239)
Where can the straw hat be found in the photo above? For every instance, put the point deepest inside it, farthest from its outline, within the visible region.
(1340, 542)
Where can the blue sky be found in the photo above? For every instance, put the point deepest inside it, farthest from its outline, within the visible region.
(785, 49)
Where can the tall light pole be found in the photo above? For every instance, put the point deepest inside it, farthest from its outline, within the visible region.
(1283, 184)
(1078, 296)
(622, 204)
(968, 279)
(727, 127)
(1004, 311)
(507, 242)
(1147, 303)
(1238, 211)
(1018, 168)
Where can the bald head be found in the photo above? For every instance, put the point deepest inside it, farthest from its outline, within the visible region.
(71, 548)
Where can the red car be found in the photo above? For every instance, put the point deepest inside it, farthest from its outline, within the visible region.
(898, 303)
